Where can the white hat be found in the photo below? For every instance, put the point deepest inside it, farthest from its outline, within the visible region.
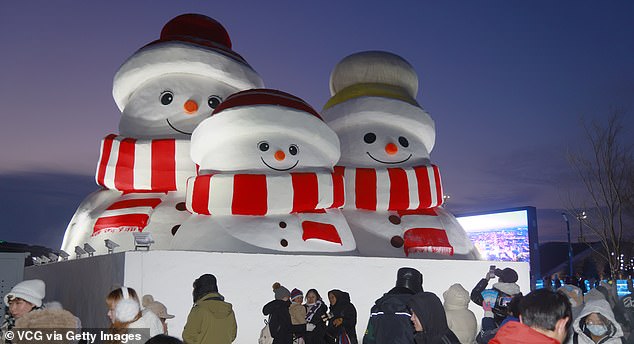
(377, 88)
(258, 113)
(189, 43)
(32, 291)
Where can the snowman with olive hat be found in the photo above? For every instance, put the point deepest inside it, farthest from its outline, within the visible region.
(265, 183)
(164, 90)
(393, 193)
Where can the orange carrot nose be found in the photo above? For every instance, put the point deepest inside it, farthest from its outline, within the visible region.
(391, 148)
(279, 155)
(190, 106)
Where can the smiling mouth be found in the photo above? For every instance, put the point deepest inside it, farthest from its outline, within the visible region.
(387, 162)
(279, 169)
(180, 131)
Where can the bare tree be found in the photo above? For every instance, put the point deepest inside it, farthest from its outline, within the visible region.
(607, 174)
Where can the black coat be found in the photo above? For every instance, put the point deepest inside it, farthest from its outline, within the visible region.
(344, 310)
(390, 319)
(318, 335)
(431, 314)
(282, 330)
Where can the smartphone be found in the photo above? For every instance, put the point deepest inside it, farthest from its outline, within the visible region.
(492, 268)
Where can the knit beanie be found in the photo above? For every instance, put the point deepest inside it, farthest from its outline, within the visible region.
(295, 293)
(280, 291)
(32, 291)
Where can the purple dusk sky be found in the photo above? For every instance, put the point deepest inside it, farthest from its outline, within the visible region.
(507, 83)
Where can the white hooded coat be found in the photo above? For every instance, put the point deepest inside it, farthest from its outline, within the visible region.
(615, 333)
(460, 319)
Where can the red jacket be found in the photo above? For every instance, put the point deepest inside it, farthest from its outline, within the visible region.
(517, 333)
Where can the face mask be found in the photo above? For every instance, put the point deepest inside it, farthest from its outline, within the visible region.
(597, 330)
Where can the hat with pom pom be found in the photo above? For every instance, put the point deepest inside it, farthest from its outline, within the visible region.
(189, 43)
(280, 291)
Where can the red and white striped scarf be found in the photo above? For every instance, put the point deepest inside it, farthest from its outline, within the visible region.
(392, 189)
(409, 192)
(261, 194)
(128, 164)
(145, 170)
(130, 213)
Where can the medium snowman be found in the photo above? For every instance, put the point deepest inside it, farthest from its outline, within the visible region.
(266, 181)
(164, 90)
(393, 192)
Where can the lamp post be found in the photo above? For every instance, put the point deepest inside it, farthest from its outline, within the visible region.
(580, 217)
(569, 245)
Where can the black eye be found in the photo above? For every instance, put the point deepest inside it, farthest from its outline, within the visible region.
(403, 141)
(369, 138)
(263, 146)
(293, 149)
(166, 97)
(214, 101)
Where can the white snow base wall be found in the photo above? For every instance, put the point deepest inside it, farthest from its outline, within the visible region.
(245, 281)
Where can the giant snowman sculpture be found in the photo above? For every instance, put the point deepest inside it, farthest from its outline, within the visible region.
(164, 91)
(266, 181)
(393, 192)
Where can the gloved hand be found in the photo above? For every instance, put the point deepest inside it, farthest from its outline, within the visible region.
(490, 275)
(310, 327)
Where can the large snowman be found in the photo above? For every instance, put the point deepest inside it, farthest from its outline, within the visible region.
(393, 192)
(266, 181)
(164, 90)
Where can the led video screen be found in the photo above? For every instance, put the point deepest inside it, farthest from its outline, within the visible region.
(500, 235)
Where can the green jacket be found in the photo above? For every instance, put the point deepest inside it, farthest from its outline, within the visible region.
(211, 321)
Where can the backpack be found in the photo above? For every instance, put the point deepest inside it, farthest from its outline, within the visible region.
(390, 322)
(265, 334)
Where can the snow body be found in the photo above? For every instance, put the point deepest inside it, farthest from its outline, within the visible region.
(274, 140)
(164, 90)
(385, 133)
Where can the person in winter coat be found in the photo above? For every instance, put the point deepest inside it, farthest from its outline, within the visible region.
(282, 330)
(344, 317)
(390, 317)
(124, 311)
(23, 298)
(315, 324)
(158, 309)
(544, 319)
(50, 319)
(596, 324)
(430, 322)
(211, 320)
(489, 328)
(297, 309)
(506, 287)
(608, 289)
(461, 321)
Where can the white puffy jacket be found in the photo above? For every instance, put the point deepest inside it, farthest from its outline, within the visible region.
(460, 319)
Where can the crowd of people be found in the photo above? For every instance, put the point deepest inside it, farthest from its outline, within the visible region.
(404, 314)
